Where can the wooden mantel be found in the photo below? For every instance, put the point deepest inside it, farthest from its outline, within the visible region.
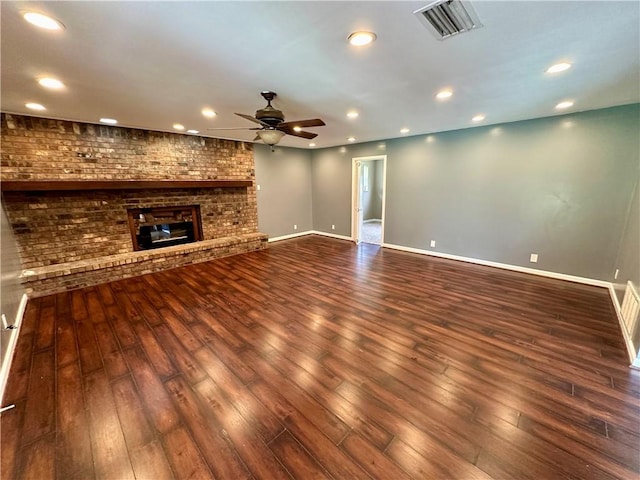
(69, 185)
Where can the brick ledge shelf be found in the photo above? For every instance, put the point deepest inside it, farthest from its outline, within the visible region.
(70, 276)
(77, 185)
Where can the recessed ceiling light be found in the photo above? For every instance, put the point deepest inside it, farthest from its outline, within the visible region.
(351, 139)
(478, 118)
(312, 144)
(178, 126)
(297, 129)
(193, 131)
(110, 121)
(559, 67)
(444, 94)
(42, 21)
(404, 130)
(207, 112)
(34, 106)
(360, 39)
(565, 104)
(52, 83)
(352, 114)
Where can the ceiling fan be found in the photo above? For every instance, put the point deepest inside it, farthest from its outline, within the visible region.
(272, 125)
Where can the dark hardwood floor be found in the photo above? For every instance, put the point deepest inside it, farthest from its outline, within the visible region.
(320, 359)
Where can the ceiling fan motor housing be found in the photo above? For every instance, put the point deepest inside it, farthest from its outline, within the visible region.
(269, 115)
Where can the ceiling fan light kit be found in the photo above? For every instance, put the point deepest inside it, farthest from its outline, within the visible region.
(270, 137)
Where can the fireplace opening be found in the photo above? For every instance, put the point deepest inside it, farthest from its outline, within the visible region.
(164, 226)
(165, 234)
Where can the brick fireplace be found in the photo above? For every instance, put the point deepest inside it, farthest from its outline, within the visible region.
(77, 195)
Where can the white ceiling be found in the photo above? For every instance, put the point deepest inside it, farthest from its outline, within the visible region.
(152, 64)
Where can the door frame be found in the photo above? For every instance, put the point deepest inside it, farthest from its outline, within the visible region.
(356, 185)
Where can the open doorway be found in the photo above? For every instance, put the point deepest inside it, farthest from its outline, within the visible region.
(368, 199)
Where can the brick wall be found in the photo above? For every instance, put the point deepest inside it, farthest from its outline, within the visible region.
(61, 227)
(36, 148)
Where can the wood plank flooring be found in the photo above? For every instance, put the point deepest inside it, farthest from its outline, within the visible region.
(318, 359)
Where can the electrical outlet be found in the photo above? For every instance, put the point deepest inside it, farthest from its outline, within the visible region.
(615, 275)
(533, 258)
(432, 244)
(295, 227)
(333, 227)
(258, 187)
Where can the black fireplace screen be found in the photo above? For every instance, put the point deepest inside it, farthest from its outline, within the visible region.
(164, 226)
(163, 235)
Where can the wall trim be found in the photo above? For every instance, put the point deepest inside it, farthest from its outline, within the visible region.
(310, 232)
(11, 347)
(505, 266)
(633, 358)
(332, 235)
(292, 235)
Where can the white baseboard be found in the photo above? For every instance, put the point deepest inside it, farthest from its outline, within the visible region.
(310, 232)
(292, 235)
(631, 348)
(13, 340)
(332, 235)
(505, 266)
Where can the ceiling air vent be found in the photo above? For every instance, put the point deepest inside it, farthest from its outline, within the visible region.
(445, 18)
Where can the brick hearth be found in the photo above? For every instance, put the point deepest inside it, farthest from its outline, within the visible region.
(72, 239)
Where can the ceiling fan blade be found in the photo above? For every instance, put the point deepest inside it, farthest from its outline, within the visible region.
(252, 119)
(302, 133)
(257, 138)
(312, 122)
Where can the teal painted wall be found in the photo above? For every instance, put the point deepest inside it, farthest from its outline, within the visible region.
(558, 186)
(284, 198)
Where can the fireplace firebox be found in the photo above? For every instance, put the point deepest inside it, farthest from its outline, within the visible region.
(159, 227)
